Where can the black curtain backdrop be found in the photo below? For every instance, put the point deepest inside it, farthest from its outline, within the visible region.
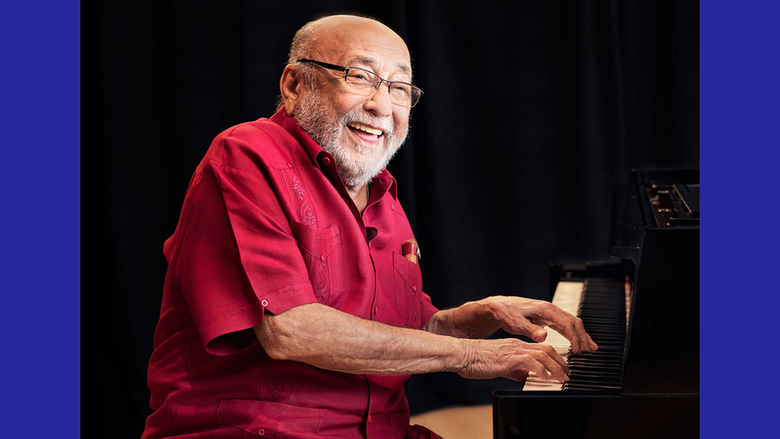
(532, 111)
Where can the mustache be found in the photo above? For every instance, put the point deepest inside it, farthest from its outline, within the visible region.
(358, 115)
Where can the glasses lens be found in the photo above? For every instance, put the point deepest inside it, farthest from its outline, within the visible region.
(364, 82)
(416, 93)
(401, 93)
(360, 79)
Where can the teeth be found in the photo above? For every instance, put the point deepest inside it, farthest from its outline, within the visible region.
(365, 128)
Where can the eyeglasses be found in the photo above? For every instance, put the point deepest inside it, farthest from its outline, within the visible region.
(363, 81)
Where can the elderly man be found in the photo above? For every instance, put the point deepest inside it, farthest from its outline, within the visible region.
(293, 302)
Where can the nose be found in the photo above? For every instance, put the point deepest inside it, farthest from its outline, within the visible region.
(379, 102)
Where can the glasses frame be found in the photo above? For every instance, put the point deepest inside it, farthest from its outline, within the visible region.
(375, 86)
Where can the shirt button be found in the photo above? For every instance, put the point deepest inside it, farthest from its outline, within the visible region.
(376, 310)
(326, 161)
(264, 303)
(261, 432)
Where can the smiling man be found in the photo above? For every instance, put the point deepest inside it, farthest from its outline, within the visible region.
(362, 134)
(293, 303)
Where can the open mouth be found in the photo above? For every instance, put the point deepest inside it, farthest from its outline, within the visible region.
(365, 132)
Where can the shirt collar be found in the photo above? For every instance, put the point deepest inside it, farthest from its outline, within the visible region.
(382, 183)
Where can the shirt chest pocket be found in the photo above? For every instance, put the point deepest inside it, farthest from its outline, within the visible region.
(408, 290)
(322, 252)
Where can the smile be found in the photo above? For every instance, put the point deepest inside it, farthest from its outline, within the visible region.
(365, 131)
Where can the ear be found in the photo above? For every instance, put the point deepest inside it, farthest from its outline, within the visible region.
(291, 85)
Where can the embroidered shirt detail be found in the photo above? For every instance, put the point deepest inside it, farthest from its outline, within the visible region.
(307, 212)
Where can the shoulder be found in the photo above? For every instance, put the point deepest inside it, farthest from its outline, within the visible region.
(252, 144)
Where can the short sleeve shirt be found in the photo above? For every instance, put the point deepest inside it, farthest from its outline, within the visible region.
(267, 224)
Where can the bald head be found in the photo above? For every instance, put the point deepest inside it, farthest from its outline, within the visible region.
(337, 33)
(330, 37)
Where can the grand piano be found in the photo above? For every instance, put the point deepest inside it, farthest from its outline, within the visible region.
(642, 309)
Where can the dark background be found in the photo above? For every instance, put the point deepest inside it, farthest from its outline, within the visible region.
(532, 111)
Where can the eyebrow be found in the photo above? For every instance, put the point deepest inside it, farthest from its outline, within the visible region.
(371, 61)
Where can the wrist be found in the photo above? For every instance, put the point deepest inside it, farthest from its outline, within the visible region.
(467, 353)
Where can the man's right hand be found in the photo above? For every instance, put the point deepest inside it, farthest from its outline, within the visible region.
(512, 358)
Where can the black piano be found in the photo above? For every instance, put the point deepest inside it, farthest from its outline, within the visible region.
(642, 309)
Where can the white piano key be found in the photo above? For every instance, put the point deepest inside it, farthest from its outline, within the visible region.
(567, 297)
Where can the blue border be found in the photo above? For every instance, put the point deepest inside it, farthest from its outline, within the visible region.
(40, 261)
(40, 253)
(739, 144)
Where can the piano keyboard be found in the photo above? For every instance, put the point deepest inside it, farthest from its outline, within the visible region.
(601, 303)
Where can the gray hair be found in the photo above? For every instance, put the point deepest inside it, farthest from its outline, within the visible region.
(300, 47)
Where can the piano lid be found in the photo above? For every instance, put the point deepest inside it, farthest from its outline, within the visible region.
(689, 195)
(653, 199)
(669, 198)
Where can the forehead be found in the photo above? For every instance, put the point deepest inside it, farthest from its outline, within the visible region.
(367, 44)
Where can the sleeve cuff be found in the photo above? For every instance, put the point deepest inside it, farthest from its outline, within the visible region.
(229, 333)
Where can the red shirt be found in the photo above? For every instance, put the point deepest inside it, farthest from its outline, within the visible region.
(268, 224)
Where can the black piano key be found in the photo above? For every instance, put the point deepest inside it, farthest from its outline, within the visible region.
(603, 314)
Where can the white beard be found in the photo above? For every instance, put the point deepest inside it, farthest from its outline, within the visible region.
(356, 165)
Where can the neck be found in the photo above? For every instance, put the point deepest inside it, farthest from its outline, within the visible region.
(359, 195)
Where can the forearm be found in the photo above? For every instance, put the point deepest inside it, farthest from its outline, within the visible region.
(330, 339)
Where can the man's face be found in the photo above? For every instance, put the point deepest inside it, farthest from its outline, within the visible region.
(362, 132)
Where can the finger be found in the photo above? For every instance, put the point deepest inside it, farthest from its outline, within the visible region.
(530, 364)
(538, 334)
(548, 352)
(551, 368)
(569, 331)
(586, 343)
(522, 326)
(592, 344)
(554, 365)
(582, 336)
(542, 314)
(570, 327)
